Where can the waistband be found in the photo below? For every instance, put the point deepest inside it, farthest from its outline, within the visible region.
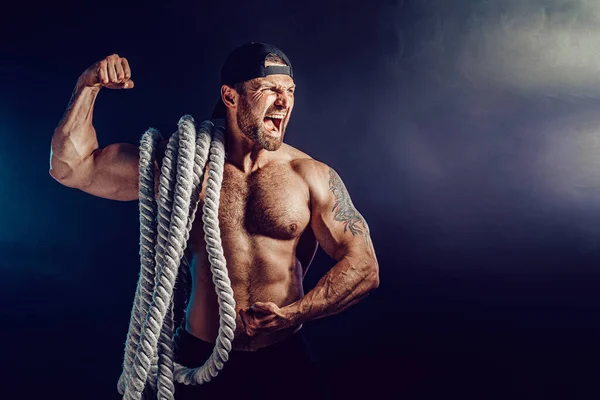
(193, 351)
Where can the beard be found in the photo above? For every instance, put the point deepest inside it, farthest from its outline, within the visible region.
(252, 126)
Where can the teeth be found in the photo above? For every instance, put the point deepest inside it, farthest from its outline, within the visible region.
(276, 116)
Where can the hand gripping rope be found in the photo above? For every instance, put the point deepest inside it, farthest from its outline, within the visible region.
(149, 369)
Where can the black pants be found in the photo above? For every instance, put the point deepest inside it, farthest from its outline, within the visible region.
(285, 370)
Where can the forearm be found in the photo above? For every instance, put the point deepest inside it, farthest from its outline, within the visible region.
(74, 138)
(348, 282)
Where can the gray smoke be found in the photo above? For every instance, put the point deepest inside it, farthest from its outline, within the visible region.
(545, 47)
(494, 116)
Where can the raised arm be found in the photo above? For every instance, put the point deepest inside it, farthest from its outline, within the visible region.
(344, 235)
(75, 158)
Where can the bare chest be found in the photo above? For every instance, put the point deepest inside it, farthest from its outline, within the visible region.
(271, 202)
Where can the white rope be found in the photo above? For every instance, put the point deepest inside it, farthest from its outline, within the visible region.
(148, 366)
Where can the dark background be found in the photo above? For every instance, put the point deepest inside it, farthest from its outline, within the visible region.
(468, 136)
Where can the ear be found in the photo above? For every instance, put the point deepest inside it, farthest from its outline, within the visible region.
(229, 96)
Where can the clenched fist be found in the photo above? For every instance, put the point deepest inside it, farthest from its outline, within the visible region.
(112, 72)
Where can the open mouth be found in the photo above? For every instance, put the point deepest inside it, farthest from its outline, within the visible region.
(273, 123)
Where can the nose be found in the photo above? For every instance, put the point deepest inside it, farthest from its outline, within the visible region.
(283, 100)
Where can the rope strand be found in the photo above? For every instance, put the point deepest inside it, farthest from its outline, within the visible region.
(149, 366)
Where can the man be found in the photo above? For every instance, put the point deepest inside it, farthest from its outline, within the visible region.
(277, 204)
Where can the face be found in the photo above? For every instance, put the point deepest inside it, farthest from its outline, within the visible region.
(264, 109)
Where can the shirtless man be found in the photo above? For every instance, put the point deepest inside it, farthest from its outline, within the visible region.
(277, 205)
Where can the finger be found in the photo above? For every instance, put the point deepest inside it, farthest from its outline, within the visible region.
(262, 307)
(257, 309)
(246, 319)
(110, 68)
(259, 305)
(126, 68)
(257, 322)
(245, 311)
(267, 308)
(119, 71)
(128, 84)
(242, 317)
(247, 324)
(102, 73)
(264, 319)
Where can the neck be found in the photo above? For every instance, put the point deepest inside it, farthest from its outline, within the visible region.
(242, 152)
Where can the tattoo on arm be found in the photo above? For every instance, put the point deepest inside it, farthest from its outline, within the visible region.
(343, 208)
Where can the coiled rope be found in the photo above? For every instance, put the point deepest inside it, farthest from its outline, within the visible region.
(149, 368)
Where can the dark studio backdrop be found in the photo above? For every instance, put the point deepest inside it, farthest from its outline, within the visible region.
(467, 133)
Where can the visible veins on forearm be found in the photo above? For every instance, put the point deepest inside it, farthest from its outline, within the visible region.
(69, 106)
(354, 276)
(344, 285)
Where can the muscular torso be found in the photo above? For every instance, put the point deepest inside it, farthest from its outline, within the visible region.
(267, 242)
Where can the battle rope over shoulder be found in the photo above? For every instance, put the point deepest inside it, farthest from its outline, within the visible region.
(149, 366)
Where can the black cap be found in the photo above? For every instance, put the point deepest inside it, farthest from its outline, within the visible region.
(248, 62)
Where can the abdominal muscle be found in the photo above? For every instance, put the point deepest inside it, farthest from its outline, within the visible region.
(260, 269)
